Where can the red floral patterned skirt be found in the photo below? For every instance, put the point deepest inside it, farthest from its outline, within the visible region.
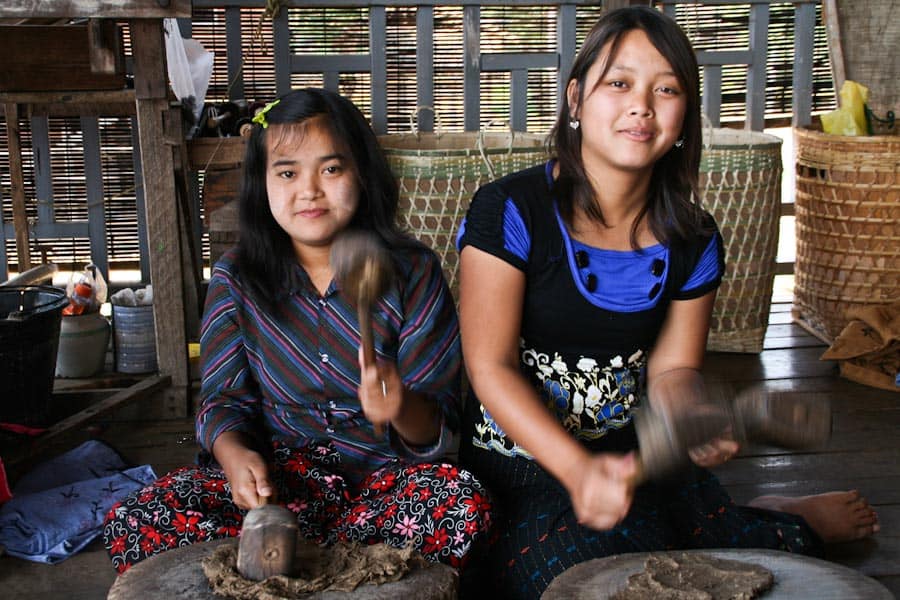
(441, 509)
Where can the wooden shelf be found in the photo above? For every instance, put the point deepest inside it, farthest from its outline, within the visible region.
(20, 457)
(99, 103)
(216, 152)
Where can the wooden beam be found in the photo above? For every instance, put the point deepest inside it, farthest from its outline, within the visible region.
(835, 48)
(136, 392)
(216, 153)
(802, 85)
(56, 57)
(17, 185)
(104, 103)
(191, 254)
(109, 9)
(149, 55)
(161, 207)
(19, 458)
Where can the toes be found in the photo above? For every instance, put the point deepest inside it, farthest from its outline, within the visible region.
(867, 519)
(856, 505)
(859, 507)
(864, 532)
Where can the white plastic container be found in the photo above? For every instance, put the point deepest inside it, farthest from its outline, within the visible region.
(83, 340)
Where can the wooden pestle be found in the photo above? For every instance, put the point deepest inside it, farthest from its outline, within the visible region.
(363, 268)
(268, 542)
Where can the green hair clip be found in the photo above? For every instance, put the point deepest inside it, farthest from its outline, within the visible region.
(260, 117)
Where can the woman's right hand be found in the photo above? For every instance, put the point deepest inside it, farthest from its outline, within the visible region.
(602, 489)
(245, 469)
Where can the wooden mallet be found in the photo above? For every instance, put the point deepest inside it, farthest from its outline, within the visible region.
(755, 415)
(268, 542)
(363, 268)
(664, 442)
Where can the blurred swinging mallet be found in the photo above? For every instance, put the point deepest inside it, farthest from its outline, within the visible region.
(664, 442)
(268, 542)
(756, 415)
(362, 267)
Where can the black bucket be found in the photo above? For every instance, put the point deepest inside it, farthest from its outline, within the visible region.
(30, 317)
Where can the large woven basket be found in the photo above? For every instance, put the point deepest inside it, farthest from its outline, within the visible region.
(740, 183)
(438, 174)
(848, 227)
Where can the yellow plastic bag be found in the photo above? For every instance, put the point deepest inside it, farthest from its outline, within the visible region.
(850, 118)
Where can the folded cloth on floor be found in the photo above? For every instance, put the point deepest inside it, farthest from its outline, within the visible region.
(59, 507)
(868, 349)
(91, 460)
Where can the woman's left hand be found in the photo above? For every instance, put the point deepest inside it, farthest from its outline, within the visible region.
(380, 391)
(714, 452)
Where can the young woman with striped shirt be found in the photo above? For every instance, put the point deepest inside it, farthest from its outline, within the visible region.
(287, 403)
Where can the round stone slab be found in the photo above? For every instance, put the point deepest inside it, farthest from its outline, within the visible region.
(179, 574)
(796, 576)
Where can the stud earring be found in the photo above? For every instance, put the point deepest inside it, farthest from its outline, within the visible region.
(679, 142)
(574, 123)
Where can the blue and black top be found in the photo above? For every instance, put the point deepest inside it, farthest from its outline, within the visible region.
(591, 316)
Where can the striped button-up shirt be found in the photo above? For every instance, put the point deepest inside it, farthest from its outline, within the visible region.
(292, 375)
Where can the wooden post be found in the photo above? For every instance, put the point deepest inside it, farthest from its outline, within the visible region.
(835, 46)
(190, 254)
(161, 208)
(17, 183)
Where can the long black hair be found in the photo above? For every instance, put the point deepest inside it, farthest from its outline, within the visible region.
(671, 209)
(265, 253)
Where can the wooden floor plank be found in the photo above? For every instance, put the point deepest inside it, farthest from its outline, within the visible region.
(794, 363)
(785, 467)
(776, 343)
(883, 491)
(790, 330)
(780, 307)
(780, 317)
(787, 335)
(875, 557)
(829, 383)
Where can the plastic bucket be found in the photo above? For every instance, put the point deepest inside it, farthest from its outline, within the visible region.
(29, 337)
(134, 335)
(83, 340)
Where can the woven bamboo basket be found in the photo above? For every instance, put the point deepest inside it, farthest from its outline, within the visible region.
(438, 174)
(848, 227)
(740, 183)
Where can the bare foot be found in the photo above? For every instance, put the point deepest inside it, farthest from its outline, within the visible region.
(835, 516)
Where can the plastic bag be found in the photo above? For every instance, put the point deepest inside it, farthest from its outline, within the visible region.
(850, 118)
(189, 66)
(86, 291)
(130, 297)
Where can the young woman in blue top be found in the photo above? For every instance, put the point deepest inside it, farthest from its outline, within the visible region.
(587, 286)
(287, 400)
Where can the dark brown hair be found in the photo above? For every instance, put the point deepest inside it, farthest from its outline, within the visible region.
(672, 211)
(265, 252)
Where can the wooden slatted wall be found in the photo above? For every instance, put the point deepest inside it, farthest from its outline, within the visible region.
(245, 68)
